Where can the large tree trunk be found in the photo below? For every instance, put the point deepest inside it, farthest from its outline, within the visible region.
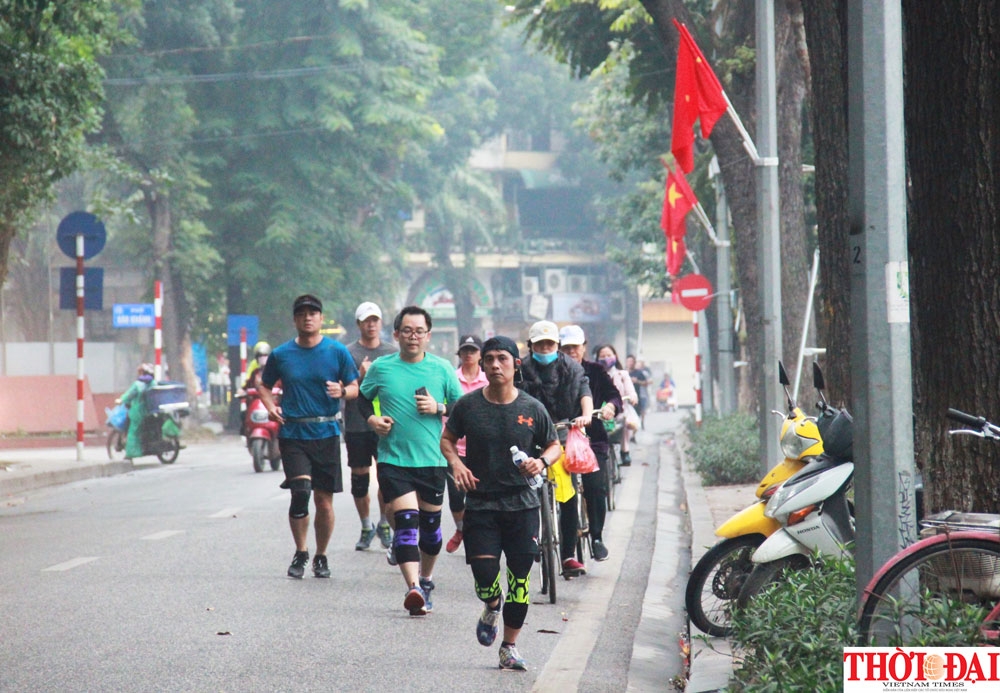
(952, 68)
(826, 31)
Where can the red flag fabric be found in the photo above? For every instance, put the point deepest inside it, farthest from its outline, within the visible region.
(697, 94)
(676, 252)
(678, 200)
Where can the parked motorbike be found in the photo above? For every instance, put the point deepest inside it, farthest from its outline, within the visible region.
(717, 579)
(261, 433)
(160, 431)
(812, 509)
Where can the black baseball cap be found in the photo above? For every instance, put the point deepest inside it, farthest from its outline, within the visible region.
(307, 301)
(501, 343)
(470, 341)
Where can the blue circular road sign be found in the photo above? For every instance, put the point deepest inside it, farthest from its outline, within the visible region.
(81, 224)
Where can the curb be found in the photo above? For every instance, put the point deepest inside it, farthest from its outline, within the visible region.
(31, 482)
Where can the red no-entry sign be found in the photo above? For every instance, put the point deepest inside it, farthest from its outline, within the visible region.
(694, 291)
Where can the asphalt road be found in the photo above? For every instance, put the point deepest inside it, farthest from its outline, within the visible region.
(173, 578)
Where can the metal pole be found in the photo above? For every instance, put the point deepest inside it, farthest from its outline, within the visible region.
(880, 338)
(697, 369)
(158, 330)
(79, 347)
(724, 308)
(769, 232)
(813, 276)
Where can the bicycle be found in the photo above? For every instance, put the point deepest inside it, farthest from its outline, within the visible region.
(548, 539)
(951, 573)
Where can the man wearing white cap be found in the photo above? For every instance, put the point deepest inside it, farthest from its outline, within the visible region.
(361, 441)
(559, 383)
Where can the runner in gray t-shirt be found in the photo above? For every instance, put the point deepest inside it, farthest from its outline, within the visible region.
(361, 441)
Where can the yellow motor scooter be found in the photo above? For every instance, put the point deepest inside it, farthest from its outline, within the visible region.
(716, 580)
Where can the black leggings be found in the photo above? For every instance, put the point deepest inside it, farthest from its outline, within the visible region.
(595, 490)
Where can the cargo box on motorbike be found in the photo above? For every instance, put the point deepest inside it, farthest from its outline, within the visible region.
(166, 397)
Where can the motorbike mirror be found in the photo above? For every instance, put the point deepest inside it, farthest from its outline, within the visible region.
(819, 384)
(783, 379)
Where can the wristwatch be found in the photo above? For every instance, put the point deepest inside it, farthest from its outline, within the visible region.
(441, 409)
(545, 461)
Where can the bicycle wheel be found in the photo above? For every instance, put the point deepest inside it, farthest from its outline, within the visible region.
(583, 528)
(548, 543)
(716, 581)
(611, 467)
(116, 445)
(938, 595)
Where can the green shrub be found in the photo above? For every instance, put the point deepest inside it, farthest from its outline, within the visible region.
(725, 449)
(792, 635)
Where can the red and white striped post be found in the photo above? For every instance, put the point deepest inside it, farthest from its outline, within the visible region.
(243, 364)
(697, 370)
(79, 347)
(158, 330)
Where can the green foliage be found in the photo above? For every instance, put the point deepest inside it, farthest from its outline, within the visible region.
(725, 449)
(793, 634)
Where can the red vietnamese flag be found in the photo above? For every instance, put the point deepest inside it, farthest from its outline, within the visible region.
(697, 95)
(676, 252)
(678, 200)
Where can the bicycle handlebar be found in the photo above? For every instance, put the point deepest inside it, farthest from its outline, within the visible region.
(983, 428)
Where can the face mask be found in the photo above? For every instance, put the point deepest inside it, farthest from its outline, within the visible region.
(608, 362)
(545, 359)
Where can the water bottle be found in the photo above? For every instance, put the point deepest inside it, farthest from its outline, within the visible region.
(519, 456)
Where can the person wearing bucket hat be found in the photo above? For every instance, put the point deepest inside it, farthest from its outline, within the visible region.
(502, 509)
(470, 377)
(361, 441)
(561, 385)
(595, 484)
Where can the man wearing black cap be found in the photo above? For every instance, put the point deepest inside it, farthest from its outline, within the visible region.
(470, 377)
(316, 372)
(501, 508)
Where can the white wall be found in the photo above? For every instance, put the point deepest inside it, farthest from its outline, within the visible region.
(110, 366)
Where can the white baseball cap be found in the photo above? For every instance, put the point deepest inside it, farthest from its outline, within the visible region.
(543, 330)
(367, 310)
(571, 334)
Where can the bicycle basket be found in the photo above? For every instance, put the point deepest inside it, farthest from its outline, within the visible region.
(962, 571)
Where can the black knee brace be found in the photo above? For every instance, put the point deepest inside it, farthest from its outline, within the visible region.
(405, 537)
(486, 572)
(515, 609)
(301, 491)
(359, 484)
(430, 532)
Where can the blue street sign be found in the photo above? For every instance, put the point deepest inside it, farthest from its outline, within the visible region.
(133, 315)
(93, 288)
(81, 224)
(233, 325)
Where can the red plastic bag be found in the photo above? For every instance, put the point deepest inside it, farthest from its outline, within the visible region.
(580, 459)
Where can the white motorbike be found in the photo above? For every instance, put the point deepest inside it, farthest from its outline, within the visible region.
(812, 507)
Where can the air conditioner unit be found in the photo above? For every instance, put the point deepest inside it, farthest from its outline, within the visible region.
(529, 286)
(598, 283)
(616, 305)
(578, 284)
(555, 281)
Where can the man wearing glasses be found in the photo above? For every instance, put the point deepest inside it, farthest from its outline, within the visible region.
(414, 389)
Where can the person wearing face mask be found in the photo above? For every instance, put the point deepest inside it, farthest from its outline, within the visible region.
(559, 383)
(608, 357)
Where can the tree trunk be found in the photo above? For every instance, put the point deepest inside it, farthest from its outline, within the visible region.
(952, 79)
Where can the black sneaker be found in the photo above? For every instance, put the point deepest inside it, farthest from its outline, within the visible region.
(626, 459)
(321, 568)
(600, 550)
(298, 567)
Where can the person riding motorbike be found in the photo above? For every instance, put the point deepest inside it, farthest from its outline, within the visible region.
(261, 350)
(136, 404)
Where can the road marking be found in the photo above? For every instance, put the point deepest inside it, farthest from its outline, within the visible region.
(70, 563)
(156, 536)
(226, 512)
(569, 657)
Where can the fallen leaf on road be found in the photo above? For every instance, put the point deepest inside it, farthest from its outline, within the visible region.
(546, 630)
(223, 632)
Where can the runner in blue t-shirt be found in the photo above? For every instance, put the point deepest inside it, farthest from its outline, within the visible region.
(315, 373)
(414, 389)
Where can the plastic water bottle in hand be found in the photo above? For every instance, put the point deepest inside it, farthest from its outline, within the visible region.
(520, 456)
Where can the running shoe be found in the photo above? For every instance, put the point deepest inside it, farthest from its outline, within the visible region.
(600, 550)
(299, 562)
(384, 532)
(510, 659)
(489, 624)
(454, 542)
(390, 556)
(573, 568)
(626, 459)
(321, 568)
(427, 586)
(415, 602)
(366, 539)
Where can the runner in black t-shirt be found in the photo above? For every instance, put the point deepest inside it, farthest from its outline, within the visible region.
(501, 512)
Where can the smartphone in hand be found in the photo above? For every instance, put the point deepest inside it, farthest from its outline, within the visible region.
(422, 391)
